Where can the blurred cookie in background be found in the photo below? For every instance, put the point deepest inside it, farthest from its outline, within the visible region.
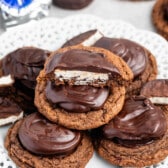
(160, 17)
(72, 4)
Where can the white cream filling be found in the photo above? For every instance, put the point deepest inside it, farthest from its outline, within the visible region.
(11, 119)
(6, 80)
(159, 100)
(81, 77)
(92, 39)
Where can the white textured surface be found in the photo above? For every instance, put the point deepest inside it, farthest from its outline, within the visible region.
(52, 33)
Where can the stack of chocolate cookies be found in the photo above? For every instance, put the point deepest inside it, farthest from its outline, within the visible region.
(93, 93)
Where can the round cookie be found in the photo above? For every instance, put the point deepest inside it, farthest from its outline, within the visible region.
(27, 159)
(160, 17)
(135, 139)
(72, 4)
(90, 119)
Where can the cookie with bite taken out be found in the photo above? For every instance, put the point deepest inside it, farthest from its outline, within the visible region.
(81, 87)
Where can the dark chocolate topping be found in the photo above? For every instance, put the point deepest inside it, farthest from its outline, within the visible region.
(8, 108)
(155, 88)
(40, 136)
(7, 90)
(139, 120)
(24, 63)
(132, 53)
(81, 60)
(79, 38)
(77, 98)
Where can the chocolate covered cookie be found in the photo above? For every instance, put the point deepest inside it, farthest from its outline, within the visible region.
(9, 111)
(136, 137)
(72, 4)
(160, 17)
(156, 91)
(24, 65)
(36, 142)
(81, 87)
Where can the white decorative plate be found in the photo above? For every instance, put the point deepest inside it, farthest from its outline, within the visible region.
(51, 33)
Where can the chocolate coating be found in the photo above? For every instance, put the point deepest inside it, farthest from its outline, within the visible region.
(81, 60)
(40, 136)
(155, 88)
(139, 122)
(77, 98)
(72, 4)
(79, 38)
(8, 108)
(25, 64)
(132, 53)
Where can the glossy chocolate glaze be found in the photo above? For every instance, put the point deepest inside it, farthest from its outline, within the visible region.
(139, 122)
(77, 98)
(79, 38)
(24, 64)
(8, 108)
(155, 88)
(132, 53)
(40, 136)
(81, 60)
